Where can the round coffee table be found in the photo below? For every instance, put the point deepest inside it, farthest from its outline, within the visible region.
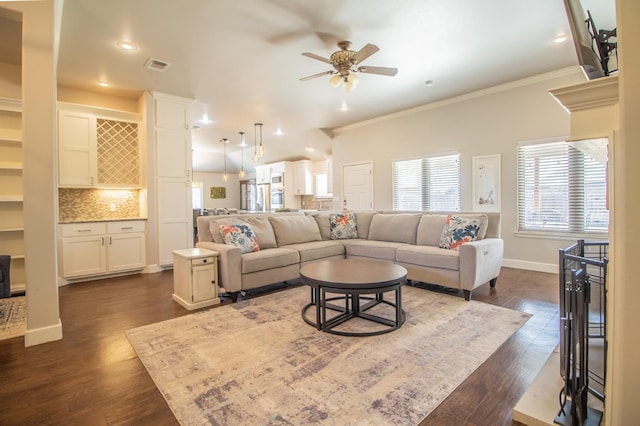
(351, 279)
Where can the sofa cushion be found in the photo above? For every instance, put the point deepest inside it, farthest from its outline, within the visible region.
(364, 223)
(294, 229)
(323, 225)
(315, 250)
(240, 235)
(343, 226)
(429, 256)
(399, 228)
(260, 224)
(269, 259)
(458, 230)
(384, 250)
(430, 229)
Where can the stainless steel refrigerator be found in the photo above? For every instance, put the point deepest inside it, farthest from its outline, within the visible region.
(263, 197)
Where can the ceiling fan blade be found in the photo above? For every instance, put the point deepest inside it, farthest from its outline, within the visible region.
(365, 52)
(379, 70)
(320, 74)
(318, 57)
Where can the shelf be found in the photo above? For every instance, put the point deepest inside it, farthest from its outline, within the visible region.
(7, 165)
(11, 198)
(17, 257)
(10, 141)
(12, 230)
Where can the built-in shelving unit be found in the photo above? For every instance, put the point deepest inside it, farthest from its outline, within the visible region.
(11, 190)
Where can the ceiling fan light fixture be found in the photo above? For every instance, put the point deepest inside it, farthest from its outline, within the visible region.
(350, 82)
(335, 80)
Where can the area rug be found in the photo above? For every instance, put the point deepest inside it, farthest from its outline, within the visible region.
(13, 317)
(257, 362)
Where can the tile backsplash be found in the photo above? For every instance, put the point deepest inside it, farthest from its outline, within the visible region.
(81, 205)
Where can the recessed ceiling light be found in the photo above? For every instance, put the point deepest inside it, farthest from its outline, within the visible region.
(344, 107)
(560, 39)
(279, 132)
(126, 45)
(429, 83)
(205, 119)
(104, 84)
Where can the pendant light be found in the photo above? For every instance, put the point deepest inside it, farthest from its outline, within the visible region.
(242, 174)
(225, 176)
(258, 131)
(256, 156)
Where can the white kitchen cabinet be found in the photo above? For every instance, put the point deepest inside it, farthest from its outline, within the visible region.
(172, 153)
(97, 147)
(126, 246)
(263, 174)
(303, 177)
(98, 248)
(77, 154)
(195, 278)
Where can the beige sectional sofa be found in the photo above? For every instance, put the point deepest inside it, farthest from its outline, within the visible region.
(289, 240)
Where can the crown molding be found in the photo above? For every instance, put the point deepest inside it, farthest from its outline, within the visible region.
(597, 93)
(467, 96)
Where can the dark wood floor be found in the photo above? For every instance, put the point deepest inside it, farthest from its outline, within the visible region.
(93, 377)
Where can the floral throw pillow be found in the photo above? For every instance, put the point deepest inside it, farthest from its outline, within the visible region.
(458, 231)
(240, 235)
(342, 226)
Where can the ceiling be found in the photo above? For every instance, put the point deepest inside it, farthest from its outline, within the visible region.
(241, 60)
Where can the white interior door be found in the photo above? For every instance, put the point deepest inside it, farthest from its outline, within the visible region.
(357, 186)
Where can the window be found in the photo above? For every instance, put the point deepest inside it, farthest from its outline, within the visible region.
(561, 189)
(428, 183)
(197, 196)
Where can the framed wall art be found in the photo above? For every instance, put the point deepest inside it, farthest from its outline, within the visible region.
(218, 192)
(486, 183)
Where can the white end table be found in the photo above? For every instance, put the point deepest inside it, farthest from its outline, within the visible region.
(195, 278)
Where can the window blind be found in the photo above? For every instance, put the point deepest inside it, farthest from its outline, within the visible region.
(428, 183)
(560, 189)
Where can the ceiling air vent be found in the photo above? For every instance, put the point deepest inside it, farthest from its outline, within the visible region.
(156, 64)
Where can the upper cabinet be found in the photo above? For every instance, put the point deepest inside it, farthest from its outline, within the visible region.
(263, 174)
(76, 149)
(303, 177)
(97, 148)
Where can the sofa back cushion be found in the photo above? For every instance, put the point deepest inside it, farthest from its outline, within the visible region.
(430, 229)
(399, 228)
(260, 225)
(364, 223)
(322, 219)
(295, 229)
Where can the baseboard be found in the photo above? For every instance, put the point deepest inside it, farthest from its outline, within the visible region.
(43, 334)
(152, 269)
(530, 266)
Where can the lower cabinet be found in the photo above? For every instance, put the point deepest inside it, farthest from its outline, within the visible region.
(97, 248)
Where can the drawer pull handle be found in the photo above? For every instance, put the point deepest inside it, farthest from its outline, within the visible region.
(84, 230)
(126, 227)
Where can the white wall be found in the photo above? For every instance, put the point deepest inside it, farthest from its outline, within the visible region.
(484, 123)
(215, 179)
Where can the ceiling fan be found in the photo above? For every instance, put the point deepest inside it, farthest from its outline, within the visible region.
(346, 63)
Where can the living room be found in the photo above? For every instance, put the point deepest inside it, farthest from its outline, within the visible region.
(465, 124)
